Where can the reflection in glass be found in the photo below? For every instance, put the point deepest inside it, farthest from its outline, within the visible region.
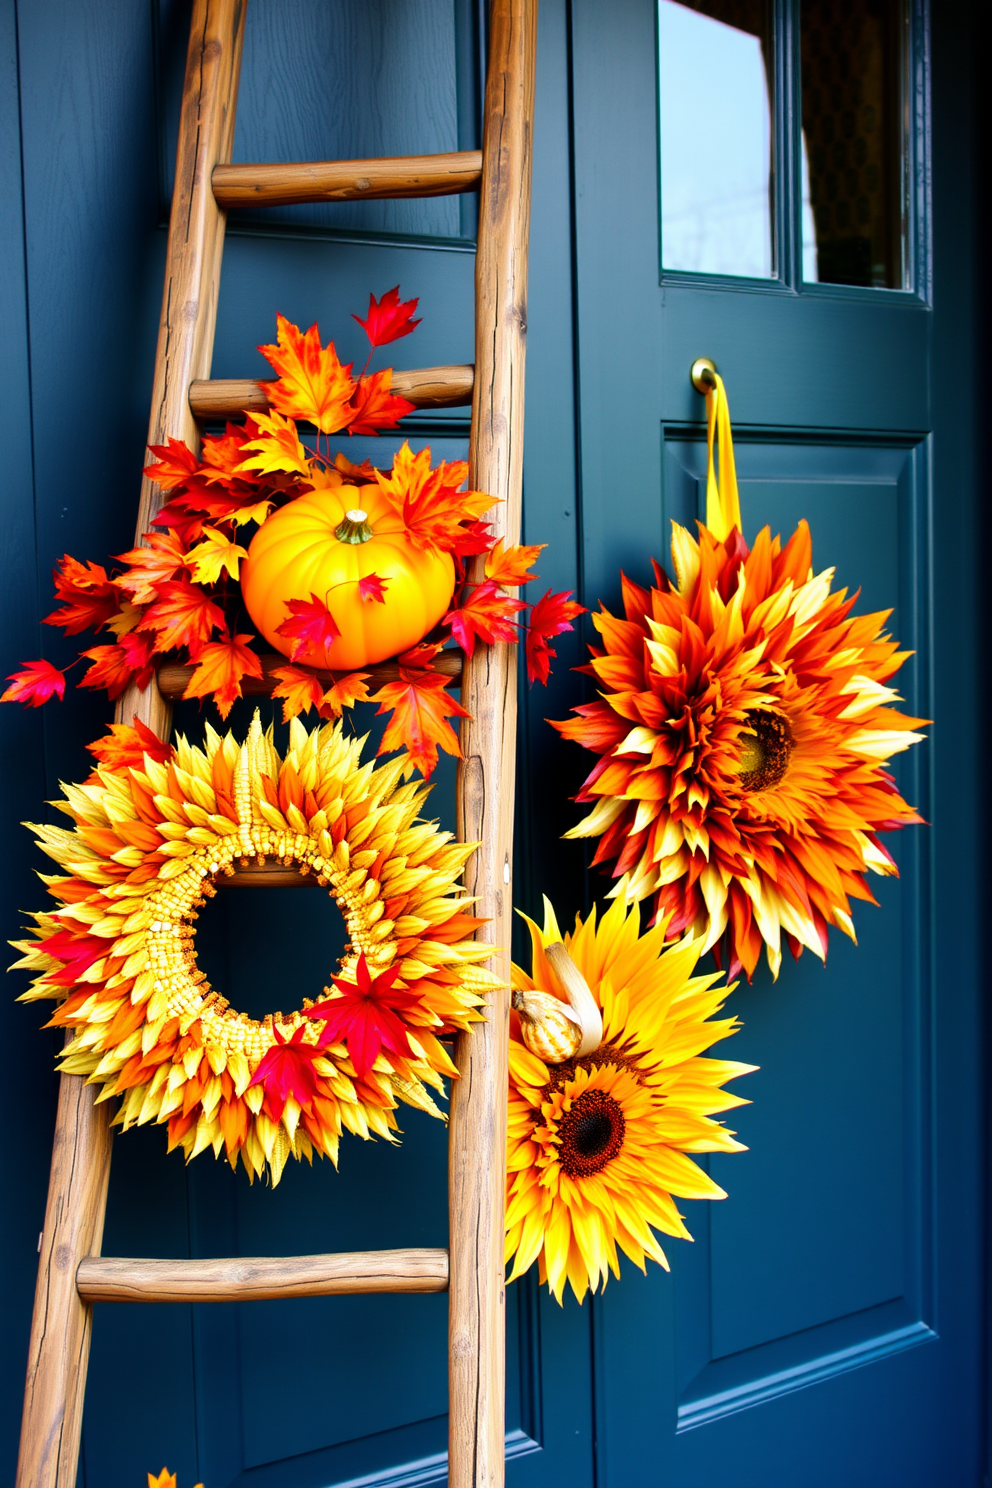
(852, 62)
(715, 61)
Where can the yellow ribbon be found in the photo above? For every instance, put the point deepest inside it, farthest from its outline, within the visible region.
(723, 507)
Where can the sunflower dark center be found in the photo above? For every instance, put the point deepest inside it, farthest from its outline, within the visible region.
(590, 1134)
(766, 748)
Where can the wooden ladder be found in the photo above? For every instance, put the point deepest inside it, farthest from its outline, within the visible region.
(72, 1273)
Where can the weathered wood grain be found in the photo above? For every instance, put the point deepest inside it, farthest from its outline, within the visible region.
(477, 1143)
(173, 678)
(261, 1278)
(60, 1338)
(267, 185)
(193, 262)
(424, 387)
(61, 1324)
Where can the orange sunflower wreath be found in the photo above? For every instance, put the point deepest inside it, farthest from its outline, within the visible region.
(744, 723)
(154, 828)
(601, 1123)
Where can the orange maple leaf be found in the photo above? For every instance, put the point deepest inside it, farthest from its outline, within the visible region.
(127, 744)
(299, 690)
(176, 465)
(508, 566)
(88, 596)
(375, 407)
(347, 690)
(421, 707)
(312, 383)
(278, 447)
(116, 667)
(220, 665)
(429, 501)
(158, 560)
(183, 615)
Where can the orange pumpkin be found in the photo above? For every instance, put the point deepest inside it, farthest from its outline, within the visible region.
(323, 543)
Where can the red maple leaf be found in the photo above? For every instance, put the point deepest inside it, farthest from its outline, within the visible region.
(552, 614)
(375, 407)
(286, 1071)
(421, 707)
(35, 684)
(184, 521)
(371, 587)
(116, 667)
(487, 613)
(127, 744)
(88, 596)
(159, 558)
(365, 1018)
(389, 318)
(183, 615)
(220, 665)
(311, 627)
(176, 464)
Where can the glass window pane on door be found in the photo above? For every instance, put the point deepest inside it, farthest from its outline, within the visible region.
(716, 111)
(853, 142)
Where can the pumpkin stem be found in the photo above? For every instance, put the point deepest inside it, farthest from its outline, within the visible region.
(354, 527)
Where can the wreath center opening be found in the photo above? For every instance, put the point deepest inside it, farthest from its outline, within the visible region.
(264, 950)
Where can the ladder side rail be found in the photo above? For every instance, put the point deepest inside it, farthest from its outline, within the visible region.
(58, 1353)
(477, 1142)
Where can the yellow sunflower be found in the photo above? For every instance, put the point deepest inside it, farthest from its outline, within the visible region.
(153, 831)
(597, 1144)
(744, 725)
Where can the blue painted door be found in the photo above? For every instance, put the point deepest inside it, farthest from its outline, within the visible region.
(826, 1325)
(738, 197)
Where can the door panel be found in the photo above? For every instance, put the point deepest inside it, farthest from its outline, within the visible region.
(805, 1336)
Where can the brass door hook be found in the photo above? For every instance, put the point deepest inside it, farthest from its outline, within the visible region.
(702, 374)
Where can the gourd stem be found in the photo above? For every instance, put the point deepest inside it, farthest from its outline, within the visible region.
(354, 527)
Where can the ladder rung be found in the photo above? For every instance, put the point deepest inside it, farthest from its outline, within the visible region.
(261, 1278)
(424, 387)
(173, 678)
(346, 180)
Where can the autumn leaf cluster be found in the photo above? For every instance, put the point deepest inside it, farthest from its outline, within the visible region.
(176, 597)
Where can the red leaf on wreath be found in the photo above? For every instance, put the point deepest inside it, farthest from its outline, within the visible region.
(421, 707)
(375, 407)
(372, 587)
(126, 745)
(35, 684)
(487, 613)
(389, 318)
(286, 1072)
(89, 597)
(365, 1018)
(310, 626)
(160, 557)
(176, 464)
(184, 615)
(76, 952)
(312, 383)
(552, 614)
(219, 669)
(508, 566)
(116, 667)
(299, 690)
